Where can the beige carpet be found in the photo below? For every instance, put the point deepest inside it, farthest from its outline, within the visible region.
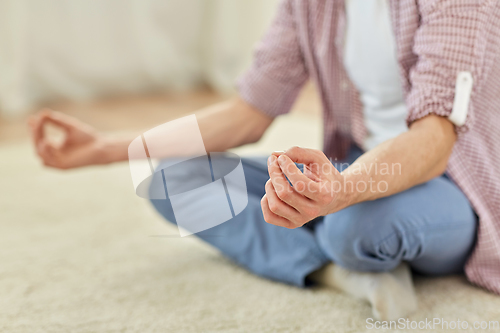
(79, 252)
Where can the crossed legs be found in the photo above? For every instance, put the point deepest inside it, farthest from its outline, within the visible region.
(431, 227)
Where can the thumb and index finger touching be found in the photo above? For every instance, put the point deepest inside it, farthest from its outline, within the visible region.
(37, 122)
(313, 161)
(56, 118)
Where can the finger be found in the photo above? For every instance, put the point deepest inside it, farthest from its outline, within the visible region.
(311, 172)
(272, 218)
(38, 134)
(290, 197)
(278, 153)
(47, 153)
(306, 155)
(37, 123)
(301, 183)
(67, 124)
(278, 206)
(55, 158)
(277, 177)
(316, 164)
(58, 119)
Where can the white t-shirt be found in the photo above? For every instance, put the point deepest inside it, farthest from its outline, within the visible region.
(370, 61)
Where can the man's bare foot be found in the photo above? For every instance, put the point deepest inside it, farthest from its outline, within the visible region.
(391, 294)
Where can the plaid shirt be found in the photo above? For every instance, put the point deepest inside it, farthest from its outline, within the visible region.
(435, 41)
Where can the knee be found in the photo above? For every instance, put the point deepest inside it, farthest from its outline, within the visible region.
(358, 241)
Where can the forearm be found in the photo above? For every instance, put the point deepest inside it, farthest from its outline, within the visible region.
(231, 124)
(412, 158)
(222, 126)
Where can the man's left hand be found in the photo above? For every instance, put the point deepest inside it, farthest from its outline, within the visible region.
(317, 191)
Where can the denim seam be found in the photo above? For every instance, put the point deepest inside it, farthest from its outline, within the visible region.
(361, 266)
(405, 232)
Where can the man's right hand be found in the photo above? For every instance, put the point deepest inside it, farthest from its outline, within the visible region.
(82, 145)
(223, 126)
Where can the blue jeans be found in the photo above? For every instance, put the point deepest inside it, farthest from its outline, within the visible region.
(431, 226)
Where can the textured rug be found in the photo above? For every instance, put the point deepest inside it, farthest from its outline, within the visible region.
(79, 252)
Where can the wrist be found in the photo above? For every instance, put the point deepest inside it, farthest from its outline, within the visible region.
(112, 150)
(355, 189)
(343, 196)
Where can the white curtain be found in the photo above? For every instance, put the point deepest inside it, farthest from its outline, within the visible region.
(81, 49)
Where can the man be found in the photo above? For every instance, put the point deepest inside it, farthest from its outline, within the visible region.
(379, 66)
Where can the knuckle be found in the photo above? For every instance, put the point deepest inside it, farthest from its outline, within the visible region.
(270, 220)
(274, 207)
(312, 211)
(283, 194)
